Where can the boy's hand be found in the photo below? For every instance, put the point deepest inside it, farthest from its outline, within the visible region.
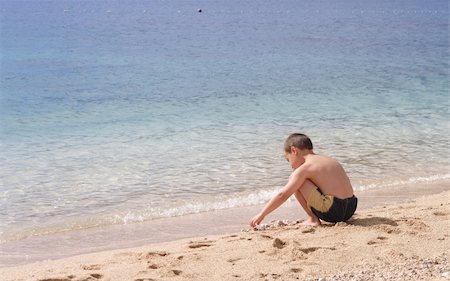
(256, 220)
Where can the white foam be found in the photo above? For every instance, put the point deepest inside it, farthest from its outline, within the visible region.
(412, 180)
(238, 201)
(128, 218)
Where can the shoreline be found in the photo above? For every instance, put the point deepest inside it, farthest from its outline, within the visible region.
(385, 242)
(87, 241)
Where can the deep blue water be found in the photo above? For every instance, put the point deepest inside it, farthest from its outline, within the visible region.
(127, 111)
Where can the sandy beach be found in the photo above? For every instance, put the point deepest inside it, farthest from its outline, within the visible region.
(138, 139)
(396, 241)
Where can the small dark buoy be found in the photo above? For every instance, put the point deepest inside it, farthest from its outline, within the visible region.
(199, 10)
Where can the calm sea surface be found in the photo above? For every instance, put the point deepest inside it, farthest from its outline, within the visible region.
(118, 112)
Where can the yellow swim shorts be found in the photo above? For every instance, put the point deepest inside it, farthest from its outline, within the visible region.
(319, 201)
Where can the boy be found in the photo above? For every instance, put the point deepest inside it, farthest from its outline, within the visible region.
(319, 183)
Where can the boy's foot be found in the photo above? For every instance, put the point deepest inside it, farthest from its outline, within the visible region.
(311, 222)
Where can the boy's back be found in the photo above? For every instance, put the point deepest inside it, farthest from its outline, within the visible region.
(328, 175)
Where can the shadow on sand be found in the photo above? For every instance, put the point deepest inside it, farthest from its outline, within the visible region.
(371, 221)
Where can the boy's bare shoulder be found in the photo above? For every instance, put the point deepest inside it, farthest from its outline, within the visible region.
(314, 159)
(321, 159)
(305, 169)
(320, 162)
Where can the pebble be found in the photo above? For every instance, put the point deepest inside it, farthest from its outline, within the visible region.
(410, 269)
(280, 223)
(272, 225)
(262, 226)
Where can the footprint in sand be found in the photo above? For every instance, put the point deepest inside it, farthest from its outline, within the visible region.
(387, 229)
(232, 261)
(417, 224)
(231, 236)
(91, 267)
(175, 272)
(313, 249)
(93, 276)
(172, 272)
(301, 253)
(153, 266)
(244, 238)
(56, 279)
(150, 255)
(308, 250)
(438, 213)
(377, 240)
(202, 244)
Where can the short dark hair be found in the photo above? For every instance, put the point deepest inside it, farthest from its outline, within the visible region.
(299, 141)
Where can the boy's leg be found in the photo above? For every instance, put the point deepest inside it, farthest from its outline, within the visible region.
(303, 193)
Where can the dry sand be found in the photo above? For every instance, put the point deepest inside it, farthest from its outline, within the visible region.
(408, 241)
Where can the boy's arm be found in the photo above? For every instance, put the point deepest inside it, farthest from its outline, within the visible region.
(296, 180)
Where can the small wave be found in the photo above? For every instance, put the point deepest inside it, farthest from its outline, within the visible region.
(238, 200)
(413, 180)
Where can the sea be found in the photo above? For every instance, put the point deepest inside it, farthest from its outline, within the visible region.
(124, 112)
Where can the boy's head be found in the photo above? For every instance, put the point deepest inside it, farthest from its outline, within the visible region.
(299, 141)
(296, 146)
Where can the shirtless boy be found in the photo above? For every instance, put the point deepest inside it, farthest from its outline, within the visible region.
(319, 183)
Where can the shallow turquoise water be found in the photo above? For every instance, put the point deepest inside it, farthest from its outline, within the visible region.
(114, 113)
